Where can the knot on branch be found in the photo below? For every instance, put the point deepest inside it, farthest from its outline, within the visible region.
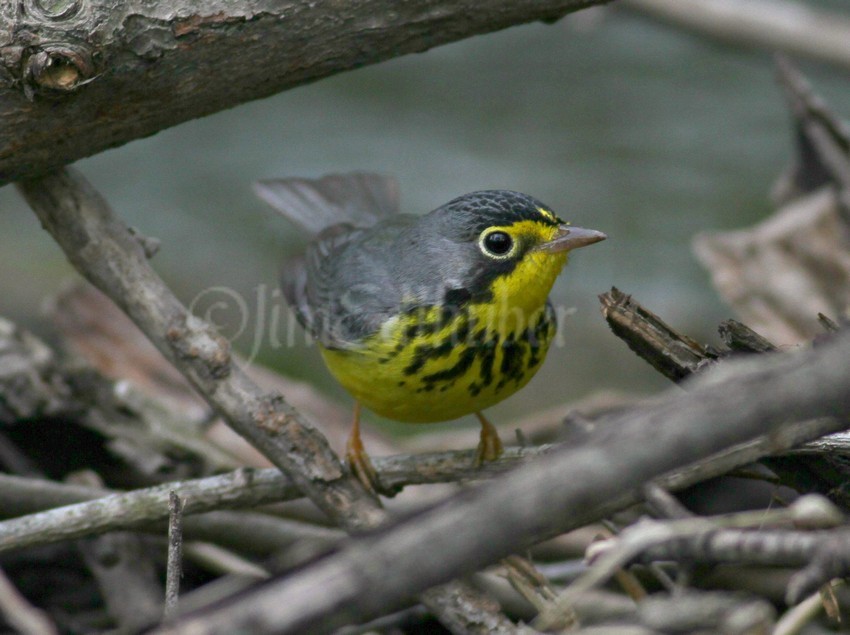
(56, 68)
(193, 340)
(270, 414)
(53, 10)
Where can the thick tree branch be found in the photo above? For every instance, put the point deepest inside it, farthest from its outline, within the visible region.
(80, 76)
(728, 405)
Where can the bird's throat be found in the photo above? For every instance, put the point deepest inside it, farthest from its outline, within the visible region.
(520, 295)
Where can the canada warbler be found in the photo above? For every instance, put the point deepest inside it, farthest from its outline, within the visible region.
(423, 318)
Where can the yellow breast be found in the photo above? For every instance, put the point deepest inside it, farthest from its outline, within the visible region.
(436, 364)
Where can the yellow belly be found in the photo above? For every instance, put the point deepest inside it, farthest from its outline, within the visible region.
(422, 367)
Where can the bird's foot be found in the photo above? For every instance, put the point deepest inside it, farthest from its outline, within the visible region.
(490, 445)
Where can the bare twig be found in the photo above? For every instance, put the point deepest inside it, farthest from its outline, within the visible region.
(740, 337)
(662, 504)
(257, 533)
(702, 540)
(254, 533)
(712, 612)
(827, 560)
(567, 488)
(796, 618)
(385, 624)
(823, 140)
(20, 614)
(532, 585)
(174, 562)
(793, 27)
(239, 489)
(222, 561)
(14, 461)
(123, 567)
(829, 325)
(673, 354)
(470, 612)
(138, 508)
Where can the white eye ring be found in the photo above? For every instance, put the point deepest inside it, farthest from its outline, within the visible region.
(497, 244)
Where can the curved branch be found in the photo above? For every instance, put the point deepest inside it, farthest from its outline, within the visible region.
(80, 76)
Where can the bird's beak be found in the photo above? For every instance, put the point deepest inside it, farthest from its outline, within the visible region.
(569, 238)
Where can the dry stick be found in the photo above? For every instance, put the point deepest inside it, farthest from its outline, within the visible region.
(131, 510)
(703, 540)
(386, 623)
(20, 614)
(258, 533)
(740, 337)
(254, 533)
(796, 618)
(221, 561)
(241, 488)
(174, 562)
(793, 27)
(123, 568)
(677, 356)
(674, 355)
(105, 252)
(822, 139)
(729, 405)
(246, 487)
(706, 612)
(100, 511)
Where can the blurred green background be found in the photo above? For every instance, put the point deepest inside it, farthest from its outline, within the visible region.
(618, 123)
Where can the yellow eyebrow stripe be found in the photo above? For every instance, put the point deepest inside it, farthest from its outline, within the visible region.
(547, 214)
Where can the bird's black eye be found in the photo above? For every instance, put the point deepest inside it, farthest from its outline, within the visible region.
(497, 244)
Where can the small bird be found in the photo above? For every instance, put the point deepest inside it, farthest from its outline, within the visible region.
(423, 318)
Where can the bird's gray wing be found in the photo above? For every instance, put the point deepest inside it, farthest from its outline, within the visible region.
(346, 285)
(358, 198)
(307, 282)
(338, 295)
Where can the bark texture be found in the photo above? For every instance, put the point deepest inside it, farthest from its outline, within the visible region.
(80, 76)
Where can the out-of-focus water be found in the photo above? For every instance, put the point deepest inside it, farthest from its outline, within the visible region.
(619, 124)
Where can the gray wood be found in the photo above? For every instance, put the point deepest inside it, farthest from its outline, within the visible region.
(80, 76)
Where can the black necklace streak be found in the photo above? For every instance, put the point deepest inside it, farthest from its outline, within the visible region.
(519, 353)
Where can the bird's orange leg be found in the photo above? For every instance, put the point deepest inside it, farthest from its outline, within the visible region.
(358, 461)
(490, 446)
